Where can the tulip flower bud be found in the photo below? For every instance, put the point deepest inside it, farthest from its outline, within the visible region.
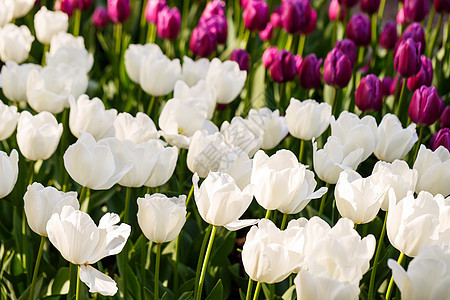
(416, 10)
(312, 23)
(15, 43)
(424, 77)
(49, 23)
(441, 138)
(407, 58)
(169, 23)
(425, 106)
(80, 4)
(269, 56)
(394, 84)
(119, 10)
(309, 72)
(217, 27)
(370, 6)
(266, 34)
(334, 9)
(348, 47)
(100, 17)
(64, 6)
(213, 8)
(275, 17)
(295, 15)
(242, 58)
(22, 8)
(388, 36)
(400, 19)
(9, 117)
(152, 9)
(256, 15)
(8, 172)
(337, 69)
(442, 6)
(6, 11)
(386, 84)
(358, 30)
(368, 95)
(283, 67)
(415, 31)
(444, 120)
(202, 43)
(348, 3)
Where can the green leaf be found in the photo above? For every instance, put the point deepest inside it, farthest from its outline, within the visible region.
(61, 283)
(289, 293)
(186, 296)
(188, 286)
(217, 292)
(37, 289)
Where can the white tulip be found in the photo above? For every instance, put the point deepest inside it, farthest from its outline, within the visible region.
(244, 134)
(9, 170)
(158, 74)
(194, 71)
(134, 55)
(9, 117)
(71, 57)
(48, 23)
(15, 43)
(22, 7)
(137, 129)
(165, 166)
(274, 126)
(7, 8)
(201, 92)
(226, 78)
(65, 39)
(14, 80)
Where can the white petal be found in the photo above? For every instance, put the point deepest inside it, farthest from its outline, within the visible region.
(239, 224)
(97, 281)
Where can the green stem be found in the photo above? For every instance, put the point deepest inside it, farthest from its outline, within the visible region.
(375, 262)
(142, 22)
(416, 151)
(400, 104)
(127, 205)
(44, 54)
(436, 32)
(301, 151)
(391, 282)
(158, 261)
(429, 22)
(258, 288)
(301, 44)
(118, 39)
(200, 258)
(268, 213)
(191, 191)
(335, 102)
(284, 221)
(334, 35)
(281, 93)
(30, 173)
(358, 64)
(77, 294)
(72, 280)
(381, 9)
(150, 106)
(36, 267)
(249, 289)
(175, 273)
(151, 33)
(289, 40)
(322, 202)
(83, 196)
(245, 39)
(205, 263)
(76, 22)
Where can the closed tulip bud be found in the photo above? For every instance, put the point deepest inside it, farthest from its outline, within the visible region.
(407, 58)
(275, 17)
(119, 10)
(194, 71)
(348, 3)
(226, 78)
(416, 10)
(164, 167)
(49, 23)
(442, 6)
(256, 15)
(348, 47)
(386, 84)
(425, 106)
(169, 23)
(14, 80)
(312, 23)
(269, 56)
(65, 6)
(42, 202)
(334, 9)
(22, 7)
(400, 18)
(9, 170)
(217, 27)
(298, 61)
(243, 133)
(370, 6)
(309, 72)
(441, 138)
(389, 36)
(283, 68)
(358, 30)
(137, 129)
(100, 17)
(444, 120)
(295, 15)
(215, 7)
(202, 43)
(152, 9)
(158, 74)
(416, 32)
(161, 218)
(424, 77)
(38, 136)
(266, 34)
(337, 69)
(6, 11)
(9, 117)
(368, 95)
(274, 126)
(394, 84)
(242, 58)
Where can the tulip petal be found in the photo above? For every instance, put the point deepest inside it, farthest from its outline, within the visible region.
(239, 224)
(97, 281)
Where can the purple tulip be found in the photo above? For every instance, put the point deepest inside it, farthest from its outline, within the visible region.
(152, 9)
(266, 34)
(416, 10)
(444, 119)
(425, 106)
(333, 10)
(283, 69)
(64, 6)
(394, 85)
(358, 30)
(80, 4)
(275, 17)
(256, 15)
(100, 17)
(386, 84)
(400, 18)
(242, 58)
(442, 6)
(309, 72)
(169, 23)
(348, 3)
(298, 62)
(415, 31)
(312, 23)
(369, 95)
(215, 7)
(269, 56)
(217, 27)
(389, 36)
(337, 69)
(118, 10)
(441, 138)
(295, 15)
(407, 58)
(348, 47)
(202, 42)
(424, 77)
(370, 6)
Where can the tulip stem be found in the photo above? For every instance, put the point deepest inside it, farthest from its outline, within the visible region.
(36, 267)
(31, 173)
(205, 263)
(335, 101)
(157, 264)
(142, 22)
(416, 150)
(258, 288)
(200, 258)
(118, 39)
(268, 213)
(334, 35)
(301, 44)
(289, 40)
(191, 191)
(391, 282)
(381, 9)
(77, 293)
(400, 101)
(249, 289)
(127, 205)
(436, 32)
(429, 22)
(44, 54)
(150, 106)
(151, 33)
(375, 262)
(301, 151)
(284, 221)
(322, 202)
(76, 22)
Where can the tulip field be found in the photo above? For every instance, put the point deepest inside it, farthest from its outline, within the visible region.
(241, 149)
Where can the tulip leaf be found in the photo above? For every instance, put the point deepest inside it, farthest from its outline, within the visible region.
(289, 293)
(187, 286)
(217, 291)
(37, 289)
(60, 285)
(186, 296)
